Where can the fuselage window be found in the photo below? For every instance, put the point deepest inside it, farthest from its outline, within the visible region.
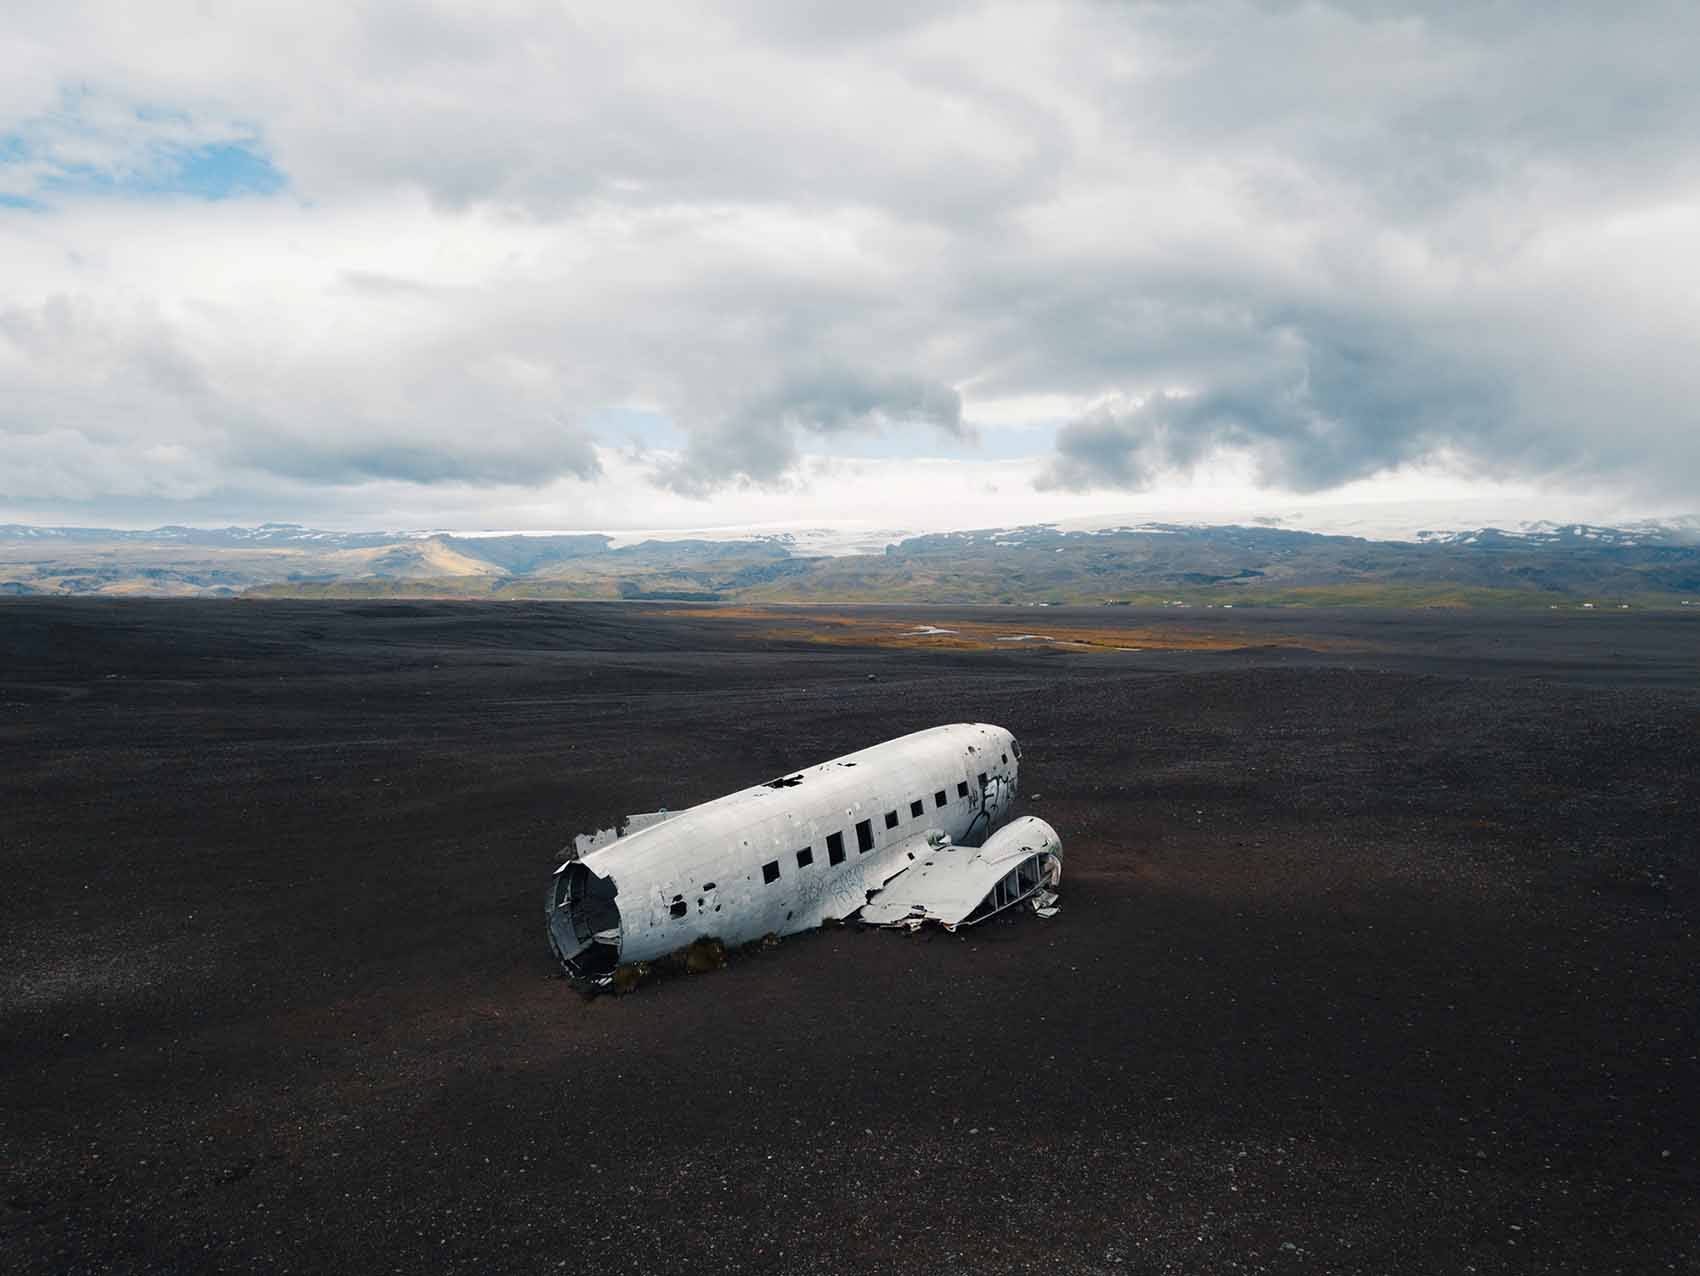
(962, 788)
(835, 848)
(805, 857)
(770, 872)
(891, 819)
(982, 779)
(915, 809)
(939, 798)
(864, 836)
(1005, 758)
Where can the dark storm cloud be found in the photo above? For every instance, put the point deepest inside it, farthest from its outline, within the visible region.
(760, 443)
(840, 399)
(1328, 398)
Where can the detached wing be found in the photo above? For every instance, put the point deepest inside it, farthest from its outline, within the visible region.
(962, 885)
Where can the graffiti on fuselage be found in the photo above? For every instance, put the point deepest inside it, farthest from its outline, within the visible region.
(994, 798)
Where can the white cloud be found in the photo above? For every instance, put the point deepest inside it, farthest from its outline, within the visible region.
(1358, 238)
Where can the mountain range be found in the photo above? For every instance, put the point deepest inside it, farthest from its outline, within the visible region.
(1645, 563)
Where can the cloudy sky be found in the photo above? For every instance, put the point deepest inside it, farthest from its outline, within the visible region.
(535, 264)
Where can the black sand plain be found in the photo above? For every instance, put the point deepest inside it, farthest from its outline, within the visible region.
(1377, 953)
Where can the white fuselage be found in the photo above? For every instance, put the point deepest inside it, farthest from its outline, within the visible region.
(783, 856)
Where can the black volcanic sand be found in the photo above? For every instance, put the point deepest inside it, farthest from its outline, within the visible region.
(1372, 962)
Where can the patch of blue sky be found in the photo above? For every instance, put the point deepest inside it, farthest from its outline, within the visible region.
(223, 170)
(90, 146)
(217, 170)
(12, 155)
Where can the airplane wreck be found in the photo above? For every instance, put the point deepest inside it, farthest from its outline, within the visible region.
(902, 834)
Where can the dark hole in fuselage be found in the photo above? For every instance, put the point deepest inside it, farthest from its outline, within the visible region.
(592, 902)
(589, 904)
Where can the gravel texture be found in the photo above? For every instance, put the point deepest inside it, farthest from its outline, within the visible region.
(1379, 957)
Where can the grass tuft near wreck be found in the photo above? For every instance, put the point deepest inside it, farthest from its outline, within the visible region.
(697, 958)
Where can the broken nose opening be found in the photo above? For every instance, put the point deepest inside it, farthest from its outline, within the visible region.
(584, 923)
